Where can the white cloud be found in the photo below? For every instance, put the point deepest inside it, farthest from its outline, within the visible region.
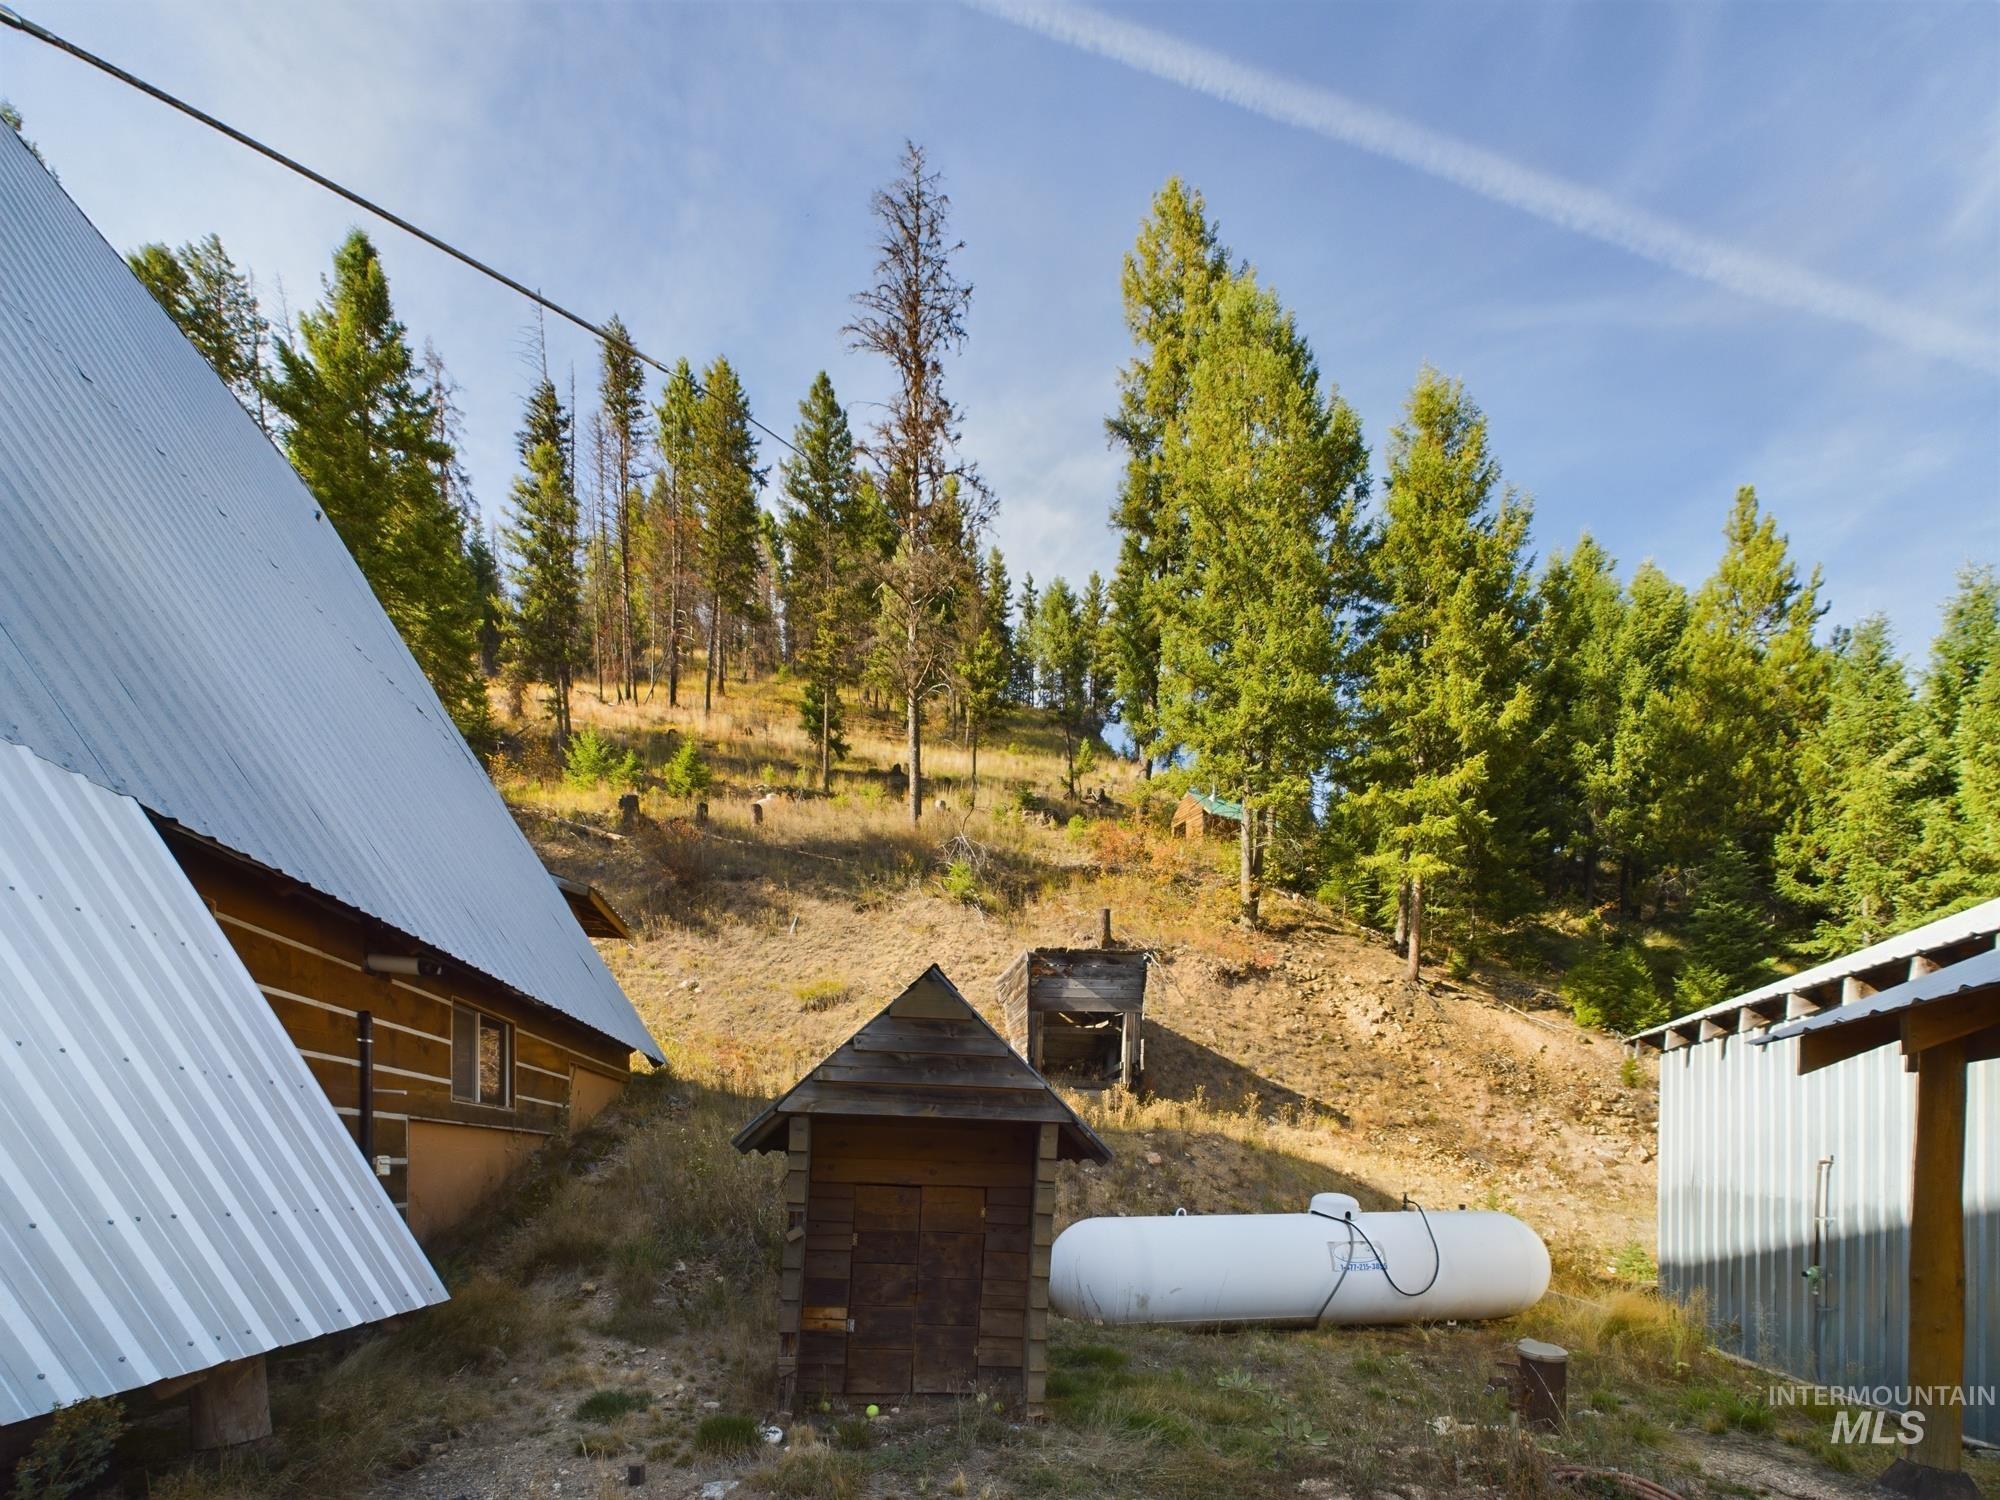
(1544, 195)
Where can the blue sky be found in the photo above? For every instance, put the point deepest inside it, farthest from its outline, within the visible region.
(1670, 249)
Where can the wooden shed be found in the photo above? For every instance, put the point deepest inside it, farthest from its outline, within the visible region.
(1079, 1011)
(920, 1208)
(1200, 815)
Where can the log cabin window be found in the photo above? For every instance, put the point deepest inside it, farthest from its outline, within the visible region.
(482, 1056)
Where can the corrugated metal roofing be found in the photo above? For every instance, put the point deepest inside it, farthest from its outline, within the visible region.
(1980, 972)
(1974, 922)
(179, 623)
(175, 1190)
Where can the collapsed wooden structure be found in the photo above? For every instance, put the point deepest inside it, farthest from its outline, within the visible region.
(920, 1203)
(1079, 1011)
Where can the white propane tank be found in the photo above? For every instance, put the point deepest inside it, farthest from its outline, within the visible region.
(1334, 1264)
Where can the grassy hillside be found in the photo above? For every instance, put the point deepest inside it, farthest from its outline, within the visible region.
(617, 1306)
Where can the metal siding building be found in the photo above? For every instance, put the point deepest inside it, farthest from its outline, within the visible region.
(1742, 1140)
(180, 623)
(175, 1192)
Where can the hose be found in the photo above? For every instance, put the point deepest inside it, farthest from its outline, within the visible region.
(1353, 1229)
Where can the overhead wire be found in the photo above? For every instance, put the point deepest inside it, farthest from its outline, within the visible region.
(18, 22)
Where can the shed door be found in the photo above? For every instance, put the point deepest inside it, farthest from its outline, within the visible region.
(918, 1286)
(915, 1296)
(882, 1304)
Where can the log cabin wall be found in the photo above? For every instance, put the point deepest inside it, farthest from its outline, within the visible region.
(305, 955)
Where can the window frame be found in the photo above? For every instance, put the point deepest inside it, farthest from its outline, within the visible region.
(469, 1024)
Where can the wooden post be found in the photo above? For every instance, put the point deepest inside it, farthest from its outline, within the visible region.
(756, 813)
(231, 1405)
(1937, 1251)
(1128, 1050)
(1544, 1383)
(1035, 1351)
(791, 1277)
(1104, 927)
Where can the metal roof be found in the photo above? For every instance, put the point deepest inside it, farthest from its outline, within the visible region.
(1980, 972)
(1218, 806)
(175, 1190)
(1973, 924)
(180, 624)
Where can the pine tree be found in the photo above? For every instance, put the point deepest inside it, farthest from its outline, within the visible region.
(1449, 698)
(1728, 934)
(543, 540)
(359, 428)
(1750, 688)
(622, 395)
(985, 664)
(1579, 676)
(1059, 640)
(1022, 685)
(1854, 853)
(913, 315)
(826, 566)
(1172, 282)
(726, 484)
(215, 305)
(11, 118)
(1256, 631)
(1628, 787)
(672, 519)
(1977, 793)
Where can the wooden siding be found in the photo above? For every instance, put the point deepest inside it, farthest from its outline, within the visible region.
(305, 956)
(1078, 1010)
(914, 1258)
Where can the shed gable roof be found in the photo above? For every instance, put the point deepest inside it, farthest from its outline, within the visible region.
(926, 1055)
(179, 624)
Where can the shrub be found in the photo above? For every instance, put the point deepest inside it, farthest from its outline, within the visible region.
(1078, 827)
(687, 774)
(591, 760)
(1631, 1074)
(854, 1433)
(1458, 963)
(611, 1403)
(823, 994)
(1612, 988)
(726, 1432)
(72, 1454)
(1635, 1263)
(960, 883)
(1085, 761)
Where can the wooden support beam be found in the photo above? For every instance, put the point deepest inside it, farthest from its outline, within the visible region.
(1922, 964)
(1675, 1040)
(1750, 1018)
(1836, 1044)
(1798, 1004)
(232, 1405)
(1941, 1021)
(1854, 988)
(1937, 1252)
(1710, 1031)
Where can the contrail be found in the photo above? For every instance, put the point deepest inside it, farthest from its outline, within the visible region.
(1557, 200)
